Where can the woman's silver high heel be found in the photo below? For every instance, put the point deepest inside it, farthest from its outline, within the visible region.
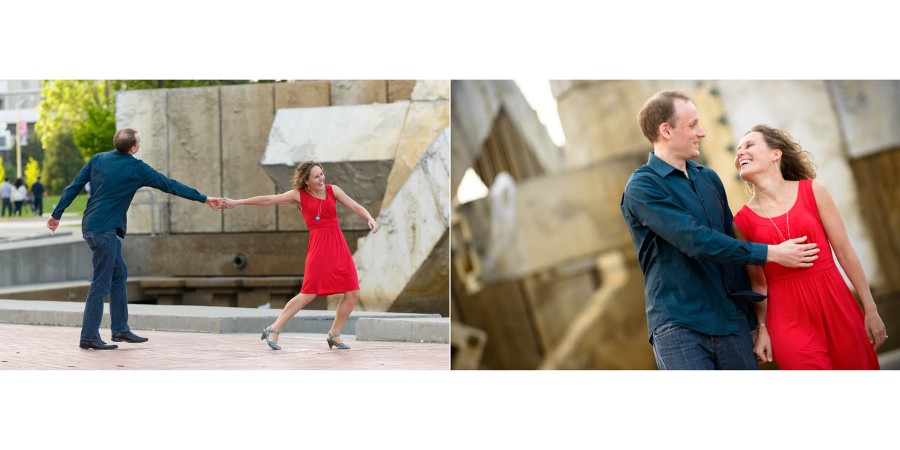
(265, 335)
(340, 345)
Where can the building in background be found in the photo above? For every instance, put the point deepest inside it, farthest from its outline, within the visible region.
(18, 113)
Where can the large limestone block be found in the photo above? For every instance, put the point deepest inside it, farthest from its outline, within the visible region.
(805, 109)
(413, 236)
(355, 144)
(530, 127)
(599, 118)
(302, 94)
(717, 149)
(868, 112)
(145, 111)
(400, 90)
(247, 114)
(298, 94)
(203, 255)
(551, 220)
(430, 90)
(474, 105)
(610, 331)
(423, 123)
(195, 157)
(358, 92)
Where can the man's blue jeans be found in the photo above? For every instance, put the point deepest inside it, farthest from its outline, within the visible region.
(109, 277)
(679, 348)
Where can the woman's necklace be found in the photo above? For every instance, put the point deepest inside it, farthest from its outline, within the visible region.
(787, 215)
(319, 212)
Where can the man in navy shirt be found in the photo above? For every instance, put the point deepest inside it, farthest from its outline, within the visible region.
(695, 284)
(114, 176)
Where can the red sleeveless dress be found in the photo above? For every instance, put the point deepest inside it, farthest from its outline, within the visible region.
(329, 265)
(813, 319)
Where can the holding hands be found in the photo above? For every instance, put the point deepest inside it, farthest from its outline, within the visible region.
(215, 203)
(229, 203)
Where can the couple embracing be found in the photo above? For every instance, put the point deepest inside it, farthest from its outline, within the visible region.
(732, 292)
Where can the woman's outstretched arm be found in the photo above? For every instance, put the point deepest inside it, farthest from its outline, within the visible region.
(348, 202)
(287, 198)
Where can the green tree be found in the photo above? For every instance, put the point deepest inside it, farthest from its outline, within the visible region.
(32, 171)
(62, 161)
(2, 170)
(81, 115)
(33, 149)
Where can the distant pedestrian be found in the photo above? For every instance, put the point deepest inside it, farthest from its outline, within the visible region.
(6, 193)
(37, 196)
(18, 196)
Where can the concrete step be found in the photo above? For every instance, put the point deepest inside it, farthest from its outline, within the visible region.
(206, 319)
(404, 329)
(889, 360)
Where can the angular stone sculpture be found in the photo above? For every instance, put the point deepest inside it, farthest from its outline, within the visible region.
(355, 144)
(405, 266)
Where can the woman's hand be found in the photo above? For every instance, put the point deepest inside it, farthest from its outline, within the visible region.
(373, 225)
(875, 329)
(763, 347)
(229, 203)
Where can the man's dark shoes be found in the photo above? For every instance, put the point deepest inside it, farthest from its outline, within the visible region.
(128, 336)
(97, 344)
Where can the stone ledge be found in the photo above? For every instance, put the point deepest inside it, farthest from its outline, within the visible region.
(424, 329)
(203, 319)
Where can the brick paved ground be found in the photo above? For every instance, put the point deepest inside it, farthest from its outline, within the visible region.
(50, 347)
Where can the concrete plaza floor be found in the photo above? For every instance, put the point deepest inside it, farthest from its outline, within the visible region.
(38, 347)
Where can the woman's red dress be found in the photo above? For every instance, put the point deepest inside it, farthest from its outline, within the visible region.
(813, 319)
(329, 265)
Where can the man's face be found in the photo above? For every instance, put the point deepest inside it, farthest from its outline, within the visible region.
(686, 135)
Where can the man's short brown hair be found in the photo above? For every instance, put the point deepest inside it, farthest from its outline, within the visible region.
(125, 139)
(657, 110)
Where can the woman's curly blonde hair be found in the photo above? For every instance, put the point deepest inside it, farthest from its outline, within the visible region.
(301, 174)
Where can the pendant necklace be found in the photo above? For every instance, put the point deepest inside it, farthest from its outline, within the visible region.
(320, 204)
(786, 213)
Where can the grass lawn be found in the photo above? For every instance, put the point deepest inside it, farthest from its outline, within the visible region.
(76, 207)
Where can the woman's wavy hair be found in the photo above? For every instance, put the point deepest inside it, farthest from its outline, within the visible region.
(796, 163)
(302, 173)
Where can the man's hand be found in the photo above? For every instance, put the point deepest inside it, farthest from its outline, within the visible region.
(791, 253)
(52, 224)
(215, 203)
(230, 203)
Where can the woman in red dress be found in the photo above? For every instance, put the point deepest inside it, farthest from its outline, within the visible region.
(810, 320)
(329, 265)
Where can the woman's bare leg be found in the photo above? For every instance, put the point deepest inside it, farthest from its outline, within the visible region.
(345, 307)
(290, 310)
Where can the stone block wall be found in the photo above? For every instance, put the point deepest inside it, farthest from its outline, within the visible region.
(214, 138)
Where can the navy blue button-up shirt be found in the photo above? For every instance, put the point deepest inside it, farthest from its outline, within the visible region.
(682, 232)
(115, 177)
